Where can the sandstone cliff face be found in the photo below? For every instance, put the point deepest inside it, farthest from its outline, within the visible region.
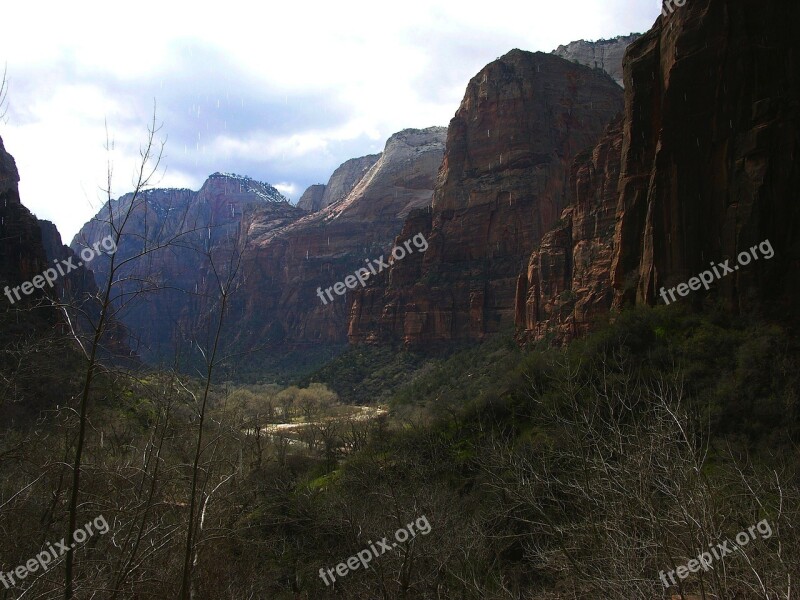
(311, 200)
(709, 160)
(602, 54)
(501, 187)
(567, 282)
(286, 266)
(704, 168)
(286, 252)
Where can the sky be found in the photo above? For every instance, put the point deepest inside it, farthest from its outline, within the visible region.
(282, 92)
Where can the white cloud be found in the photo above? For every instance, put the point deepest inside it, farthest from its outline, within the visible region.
(280, 91)
(290, 190)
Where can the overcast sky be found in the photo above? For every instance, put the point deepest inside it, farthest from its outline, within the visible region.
(283, 93)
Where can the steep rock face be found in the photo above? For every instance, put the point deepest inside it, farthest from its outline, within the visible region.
(311, 200)
(709, 161)
(602, 54)
(707, 170)
(176, 232)
(567, 283)
(501, 187)
(22, 254)
(286, 266)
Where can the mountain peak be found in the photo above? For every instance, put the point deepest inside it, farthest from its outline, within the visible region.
(245, 184)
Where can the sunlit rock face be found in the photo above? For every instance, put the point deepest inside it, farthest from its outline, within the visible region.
(311, 200)
(344, 179)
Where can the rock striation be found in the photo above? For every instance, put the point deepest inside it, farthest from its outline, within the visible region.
(502, 185)
(602, 54)
(347, 177)
(566, 286)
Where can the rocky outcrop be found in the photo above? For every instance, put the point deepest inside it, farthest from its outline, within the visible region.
(602, 54)
(311, 200)
(343, 180)
(707, 170)
(502, 185)
(347, 177)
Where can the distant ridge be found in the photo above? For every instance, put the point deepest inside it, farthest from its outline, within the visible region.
(602, 54)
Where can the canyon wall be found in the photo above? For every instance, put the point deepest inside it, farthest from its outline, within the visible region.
(502, 185)
(703, 168)
(286, 253)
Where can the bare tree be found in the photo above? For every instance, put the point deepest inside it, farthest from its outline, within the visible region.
(225, 274)
(151, 155)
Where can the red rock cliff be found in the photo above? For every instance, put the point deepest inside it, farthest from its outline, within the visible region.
(709, 159)
(501, 187)
(703, 168)
(567, 282)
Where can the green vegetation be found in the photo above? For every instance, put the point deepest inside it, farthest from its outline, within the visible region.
(544, 472)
